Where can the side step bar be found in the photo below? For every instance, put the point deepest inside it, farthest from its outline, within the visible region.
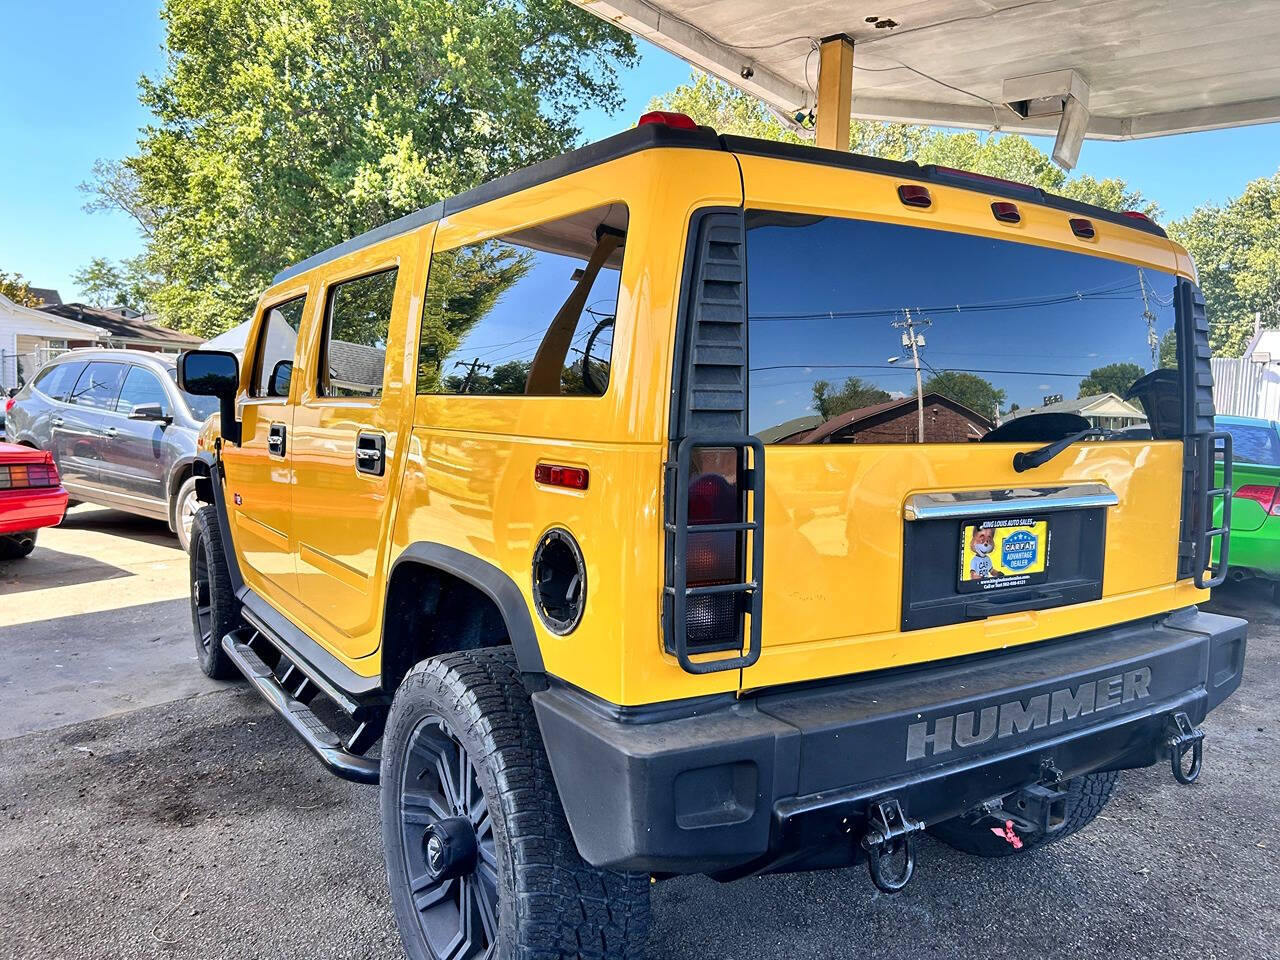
(324, 743)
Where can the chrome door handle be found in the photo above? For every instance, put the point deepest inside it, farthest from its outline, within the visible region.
(371, 454)
(110, 432)
(275, 440)
(56, 421)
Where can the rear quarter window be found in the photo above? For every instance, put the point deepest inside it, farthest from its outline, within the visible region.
(56, 380)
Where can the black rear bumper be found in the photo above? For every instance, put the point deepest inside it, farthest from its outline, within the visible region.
(782, 779)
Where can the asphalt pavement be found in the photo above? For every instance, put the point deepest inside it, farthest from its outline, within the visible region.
(148, 812)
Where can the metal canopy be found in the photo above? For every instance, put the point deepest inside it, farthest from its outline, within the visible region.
(1146, 67)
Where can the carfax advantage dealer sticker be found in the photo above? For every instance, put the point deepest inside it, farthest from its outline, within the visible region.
(1005, 552)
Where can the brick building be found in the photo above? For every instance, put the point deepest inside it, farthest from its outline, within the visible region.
(897, 421)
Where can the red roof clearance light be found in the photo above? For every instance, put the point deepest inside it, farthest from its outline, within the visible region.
(1138, 215)
(668, 118)
(555, 475)
(1006, 212)
(1083, 228)
(913, 195)
(982, 178)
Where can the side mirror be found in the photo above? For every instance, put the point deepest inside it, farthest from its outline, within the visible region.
(213, 373)
(149, 411)
(281, 375)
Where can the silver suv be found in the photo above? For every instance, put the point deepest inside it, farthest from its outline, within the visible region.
(122, 433)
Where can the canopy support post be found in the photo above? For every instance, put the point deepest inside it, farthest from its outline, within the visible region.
(835, 92)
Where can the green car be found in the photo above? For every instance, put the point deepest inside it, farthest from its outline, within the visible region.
(1255, 501)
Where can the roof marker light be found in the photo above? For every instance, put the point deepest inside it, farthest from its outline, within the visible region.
(1006, 212)
(1138, 215)
(668, 118)
(914, 195)
(1083, 228)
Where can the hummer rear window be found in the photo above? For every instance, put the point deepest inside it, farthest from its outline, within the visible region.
(865, 332)
(526, 314)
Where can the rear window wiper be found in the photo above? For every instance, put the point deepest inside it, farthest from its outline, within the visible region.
(1029, 461)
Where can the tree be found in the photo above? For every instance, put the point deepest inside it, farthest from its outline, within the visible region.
(1114, 378)
(281, 127)
(714, 103)
(853, 394)
(18, 290)
(100, 283)
(1010, 156)
(967, 389)
(1237, 250)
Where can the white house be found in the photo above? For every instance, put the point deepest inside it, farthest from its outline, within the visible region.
(28, 338)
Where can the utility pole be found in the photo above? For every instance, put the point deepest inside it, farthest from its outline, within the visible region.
(474, 365)
(1153, 341)
(915, 341)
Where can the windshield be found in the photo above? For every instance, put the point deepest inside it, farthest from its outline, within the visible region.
(202, 408)
(865, 332)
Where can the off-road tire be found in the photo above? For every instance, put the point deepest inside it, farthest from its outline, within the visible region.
(1086, 796)
(185, 495)
(15, 546)
(550, 902)
(215, 612)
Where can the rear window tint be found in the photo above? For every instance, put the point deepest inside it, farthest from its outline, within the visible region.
(98, 386)
(841, 311)
(1253, 444)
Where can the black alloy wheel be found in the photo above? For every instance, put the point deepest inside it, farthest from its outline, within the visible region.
(446, 833)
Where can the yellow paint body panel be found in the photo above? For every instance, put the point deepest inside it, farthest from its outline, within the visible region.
(317, 540)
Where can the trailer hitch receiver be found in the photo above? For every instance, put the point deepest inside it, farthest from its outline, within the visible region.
(1183, 738)
(889, 833)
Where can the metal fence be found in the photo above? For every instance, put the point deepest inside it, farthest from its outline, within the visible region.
(17, 369)
(1243, 388)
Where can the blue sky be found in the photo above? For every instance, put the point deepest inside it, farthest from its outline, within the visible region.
(67, 103)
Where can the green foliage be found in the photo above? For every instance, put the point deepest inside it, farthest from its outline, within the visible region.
(853, 394)
(106, 284)
(280, 127)
(1114, 378)
(18, 290)
(1010, 156)
(714, 103)
(1236, 248)
(967, 389)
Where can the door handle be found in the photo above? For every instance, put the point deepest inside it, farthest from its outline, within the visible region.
(371, 453)
(110, 432)
(56, 421)
(275, 440)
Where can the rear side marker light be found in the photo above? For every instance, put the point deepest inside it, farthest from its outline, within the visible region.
(1083, 228)
(8, 404)
(913, 195)
(1006, 212)
(668, 118)
(555, 475)
(1266, 497)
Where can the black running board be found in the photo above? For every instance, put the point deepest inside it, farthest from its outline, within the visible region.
(324, 743)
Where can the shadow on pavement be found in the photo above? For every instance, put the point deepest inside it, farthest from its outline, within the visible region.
(116, 523)
(53, 568)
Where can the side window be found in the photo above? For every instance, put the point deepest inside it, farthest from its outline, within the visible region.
(141, 387)
(276, 340)
(530, 313)
(354, 351)
(98, 386)
(57, 380)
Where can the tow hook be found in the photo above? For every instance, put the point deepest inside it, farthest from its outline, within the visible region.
(888, 833)
(1183, 737)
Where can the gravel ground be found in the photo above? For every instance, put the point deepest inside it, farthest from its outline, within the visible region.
(200, 828)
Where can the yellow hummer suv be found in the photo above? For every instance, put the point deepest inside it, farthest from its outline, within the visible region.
(699, 504)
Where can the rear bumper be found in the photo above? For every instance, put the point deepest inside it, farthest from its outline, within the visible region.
(29, 509)
(1257, 551)
(782, 779)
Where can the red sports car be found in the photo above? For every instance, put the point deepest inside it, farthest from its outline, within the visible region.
(31, 496)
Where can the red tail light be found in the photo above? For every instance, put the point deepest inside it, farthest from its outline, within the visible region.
(23, 476)
(668, 118)
(1266, 497)
(8, 404)
(713, 556)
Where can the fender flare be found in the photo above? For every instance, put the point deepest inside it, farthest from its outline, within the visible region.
(491, 581)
